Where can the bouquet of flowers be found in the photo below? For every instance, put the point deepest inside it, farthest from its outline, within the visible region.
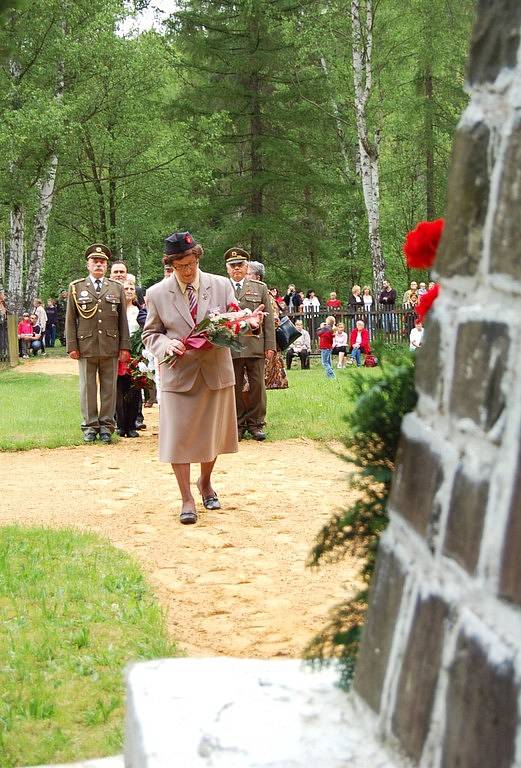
(139, 368)
(219, 330)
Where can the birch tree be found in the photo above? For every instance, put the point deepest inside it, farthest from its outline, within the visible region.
(362, 34)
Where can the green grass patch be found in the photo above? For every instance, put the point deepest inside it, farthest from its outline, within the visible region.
(313, 406)
(38, 411)
(73, 612)
(42, 411)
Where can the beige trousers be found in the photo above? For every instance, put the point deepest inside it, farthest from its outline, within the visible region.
(106, 370)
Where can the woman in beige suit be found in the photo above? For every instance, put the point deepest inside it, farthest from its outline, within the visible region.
(197, 418)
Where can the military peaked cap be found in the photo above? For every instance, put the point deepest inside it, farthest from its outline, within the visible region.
(98, 251)
(236, 255)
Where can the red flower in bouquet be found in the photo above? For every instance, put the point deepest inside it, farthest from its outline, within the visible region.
(426, 301)
(217, 330)
(422, 243)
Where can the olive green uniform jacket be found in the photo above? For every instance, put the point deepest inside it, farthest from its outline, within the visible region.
(100, 332)
(253, 293)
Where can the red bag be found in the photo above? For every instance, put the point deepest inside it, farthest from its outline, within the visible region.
(370, 361)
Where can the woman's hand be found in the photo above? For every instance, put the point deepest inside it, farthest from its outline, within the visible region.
(257, 316)
(175, 347)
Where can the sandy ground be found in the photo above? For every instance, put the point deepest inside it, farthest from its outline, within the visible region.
(236, 583)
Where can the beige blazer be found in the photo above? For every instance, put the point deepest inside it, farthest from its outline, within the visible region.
(168, 317)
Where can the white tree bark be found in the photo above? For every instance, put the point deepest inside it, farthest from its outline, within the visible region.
(16, 259)
(45, 188)
(369, 171)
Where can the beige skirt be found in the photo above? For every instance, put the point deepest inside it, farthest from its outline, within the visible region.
(198, 425)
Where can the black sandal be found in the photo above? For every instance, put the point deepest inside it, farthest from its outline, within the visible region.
(188, 517)
(209, 502)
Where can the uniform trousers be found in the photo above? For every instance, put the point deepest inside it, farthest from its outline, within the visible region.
(106, 370)
(252, 413)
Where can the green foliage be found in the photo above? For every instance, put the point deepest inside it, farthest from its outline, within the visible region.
(237, 124)
(374, 425)
(73, 612)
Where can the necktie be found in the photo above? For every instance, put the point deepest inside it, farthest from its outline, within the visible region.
(192, 300)
(237, 287)
(98, 285)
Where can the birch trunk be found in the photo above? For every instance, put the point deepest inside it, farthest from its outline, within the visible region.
(369, 171)
(41, 225)
(16, 260)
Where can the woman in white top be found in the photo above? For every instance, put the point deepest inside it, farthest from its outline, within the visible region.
(367, 298)
(128, 397)
(311, 303)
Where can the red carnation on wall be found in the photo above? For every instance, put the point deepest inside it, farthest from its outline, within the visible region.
(425, 302)
(422, 242)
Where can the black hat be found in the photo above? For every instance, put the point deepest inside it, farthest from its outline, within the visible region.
(98, 251)
(178, 242)
(236, 255)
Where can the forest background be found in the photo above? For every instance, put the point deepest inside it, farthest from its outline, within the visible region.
(315, 134)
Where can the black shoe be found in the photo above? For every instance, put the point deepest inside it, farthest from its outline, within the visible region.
(257, 434)
(121, 432)
(105, 437)
(140, 425)
(132, 433)
(89, 437)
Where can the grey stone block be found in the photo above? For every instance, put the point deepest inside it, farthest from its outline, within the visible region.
(419, 675)
(506, 231)
(417, 479)
(481, 710)
(460, 248)
(495, 39)
(480, 362)
(428, 363)
(384, 606)
(510, 585)
(467, 510)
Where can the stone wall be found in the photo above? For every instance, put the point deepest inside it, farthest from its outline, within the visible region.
(440, 662)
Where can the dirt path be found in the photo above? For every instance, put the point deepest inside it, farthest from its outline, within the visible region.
(234, 584)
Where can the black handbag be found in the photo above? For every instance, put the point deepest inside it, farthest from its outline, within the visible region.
(286, 333)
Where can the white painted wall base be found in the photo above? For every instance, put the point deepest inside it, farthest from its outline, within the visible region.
(241, 713)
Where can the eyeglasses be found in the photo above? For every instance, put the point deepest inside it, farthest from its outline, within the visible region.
(185, 267)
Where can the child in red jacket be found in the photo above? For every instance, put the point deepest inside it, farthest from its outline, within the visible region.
(325, 343)
(359, 342)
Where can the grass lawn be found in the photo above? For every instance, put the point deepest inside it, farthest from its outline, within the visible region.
(313, 406)
(73, 612)
(38, 410)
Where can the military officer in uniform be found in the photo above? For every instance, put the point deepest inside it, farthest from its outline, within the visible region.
(249, 294)
(97, 337)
